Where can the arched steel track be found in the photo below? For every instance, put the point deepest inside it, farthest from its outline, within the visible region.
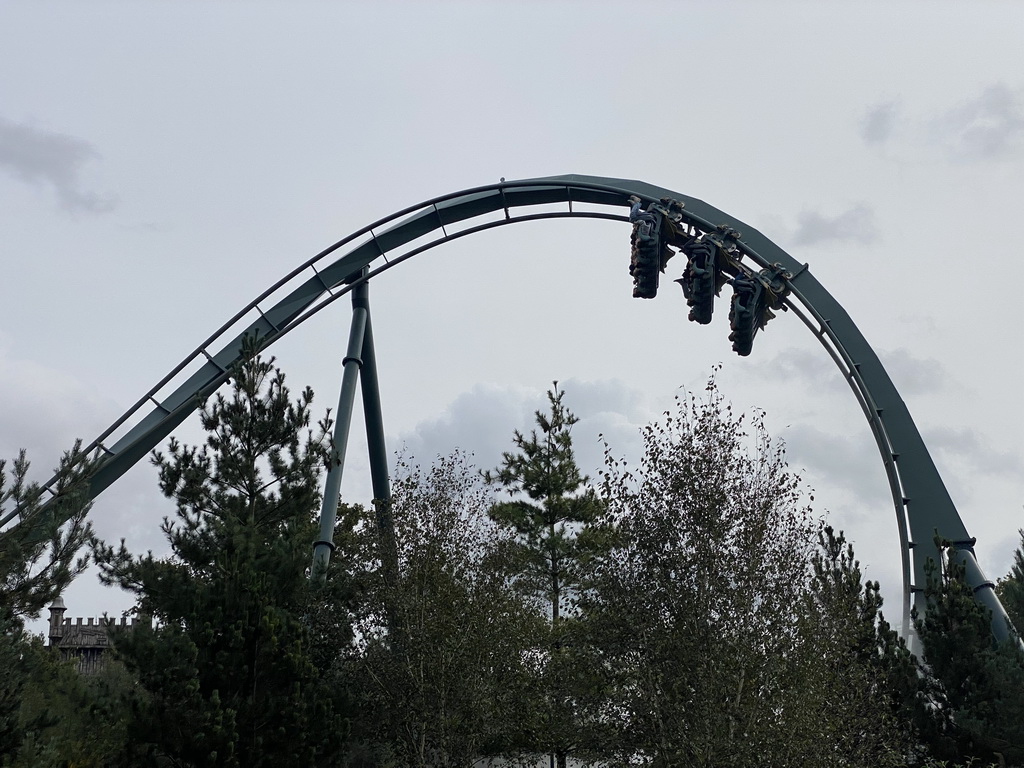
(922, 504)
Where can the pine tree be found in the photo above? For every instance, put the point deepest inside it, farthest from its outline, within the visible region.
(859, 673)
(227, 665)
(555, 536)
(1011, 589)
(39, 550)
(39, 557)
(977, 684)
(554, 528)
(70, 719)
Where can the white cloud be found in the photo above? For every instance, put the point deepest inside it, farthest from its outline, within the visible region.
(798, 366)
(43, 407)
(987, 126)
(479, 422)
(45, 410)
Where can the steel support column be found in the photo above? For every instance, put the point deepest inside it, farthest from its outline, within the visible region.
(353, 361)
(376, 447)
(374, 420)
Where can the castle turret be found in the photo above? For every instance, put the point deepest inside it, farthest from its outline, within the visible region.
(57, 609)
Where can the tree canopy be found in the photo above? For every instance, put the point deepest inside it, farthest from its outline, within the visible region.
(40, 548)
(704, 616)
(39, 556)
(226, 662)
(692, 609)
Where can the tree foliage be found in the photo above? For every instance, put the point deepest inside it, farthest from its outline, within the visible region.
(227, 663)
(691, 610)
(39, 551)
(449, 686)
(554, 522)
(72, 719)
(39, 557)
(552, 518)
(858, 672)
(706, 616)
(978, 685)
(1011, 588)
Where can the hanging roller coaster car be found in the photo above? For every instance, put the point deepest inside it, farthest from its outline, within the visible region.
(653, 230)
(754, 298)
(710, 259)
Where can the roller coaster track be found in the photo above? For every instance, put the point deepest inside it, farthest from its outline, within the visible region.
(922, 504)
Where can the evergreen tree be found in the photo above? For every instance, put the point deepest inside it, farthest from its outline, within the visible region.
(977, 684)
(39, 557)
(554, 527)
(39, 550)
(858, 674)
(16, 658)
(70, 719)
(227, 665)
(1011, 589)
(555, 536)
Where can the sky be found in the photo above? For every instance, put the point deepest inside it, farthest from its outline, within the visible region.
(162, 163)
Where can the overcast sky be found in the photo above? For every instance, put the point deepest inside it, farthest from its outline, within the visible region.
(163, 163)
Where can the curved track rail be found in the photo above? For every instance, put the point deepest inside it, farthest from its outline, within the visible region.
(922, 504)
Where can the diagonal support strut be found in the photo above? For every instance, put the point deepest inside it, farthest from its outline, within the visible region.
(359, 363)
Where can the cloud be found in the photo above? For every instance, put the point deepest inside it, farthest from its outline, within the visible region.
(42, 407)
(878, 124)
(798, 366)
(966, 445)
(479, 422)
(850, 464)
(482, 420)
(987, 127)
(1002, 551)
(41, 157)
(914, 375)
(856, 224)
(45, 410)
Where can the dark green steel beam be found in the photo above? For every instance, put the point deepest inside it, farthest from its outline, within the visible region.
(353, 361)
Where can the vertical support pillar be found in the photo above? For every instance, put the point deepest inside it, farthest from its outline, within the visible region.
(374, 418)
(378, 455)
(353, 361)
